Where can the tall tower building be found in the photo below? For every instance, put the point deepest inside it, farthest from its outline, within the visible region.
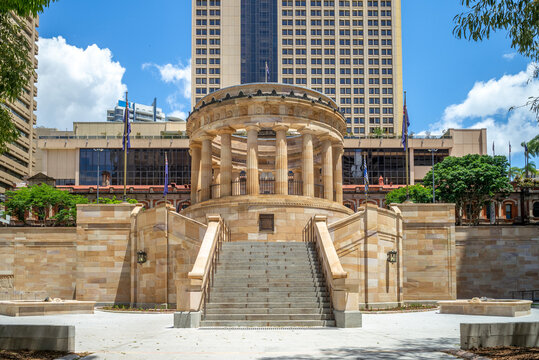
(18, 161)
(348, 50)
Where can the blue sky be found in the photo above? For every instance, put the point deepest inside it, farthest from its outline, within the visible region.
(449, 82)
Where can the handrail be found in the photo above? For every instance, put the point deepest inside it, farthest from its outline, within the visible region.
(202, 274)
(316, 232)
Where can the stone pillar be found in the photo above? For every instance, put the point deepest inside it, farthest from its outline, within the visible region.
(205, 168)
(281, 160)
(337, 172)
(327, 168)
(194, 150)
(226, 162)
(216, 190)
(308, 163)
(253, 187)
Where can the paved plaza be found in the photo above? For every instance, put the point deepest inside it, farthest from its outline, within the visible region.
(151, 336)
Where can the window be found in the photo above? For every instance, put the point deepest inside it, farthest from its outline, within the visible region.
(508, 211)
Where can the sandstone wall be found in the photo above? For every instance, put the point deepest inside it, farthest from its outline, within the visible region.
(290, 217)
(492, 261)
(362, 242)
(37, 262)
(428, 251)
(169, 259)
(104, 253)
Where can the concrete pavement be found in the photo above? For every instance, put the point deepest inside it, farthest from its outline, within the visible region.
(113, 336)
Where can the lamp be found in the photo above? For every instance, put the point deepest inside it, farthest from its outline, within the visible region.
(142, 257)
(392, 256)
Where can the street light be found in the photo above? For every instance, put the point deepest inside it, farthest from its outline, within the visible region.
(432, 151)
(98, 175)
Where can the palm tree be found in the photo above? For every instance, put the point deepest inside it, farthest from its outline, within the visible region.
(533, 146)
(515, 172)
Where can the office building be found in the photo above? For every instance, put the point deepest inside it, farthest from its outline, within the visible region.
(347, 50)
(17, 162)
(137, 112)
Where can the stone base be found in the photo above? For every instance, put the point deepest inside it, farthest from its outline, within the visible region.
(347, 319)
(42, 308)
(474, 336)
(507, 307)
(37, 337)
(187, 319)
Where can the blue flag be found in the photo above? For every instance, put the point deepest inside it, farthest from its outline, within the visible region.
(365, 175)
(405, 126)
(267, 72)
(127, 128)
(165, 192)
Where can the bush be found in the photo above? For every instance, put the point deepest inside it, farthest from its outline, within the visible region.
(418, 194)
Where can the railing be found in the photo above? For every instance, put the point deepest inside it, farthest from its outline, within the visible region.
(295, 187)
(239, 187)
(111, 137)
(267, 186)
(202, 274)
(319, 191)
(522, 294)
(316, 232)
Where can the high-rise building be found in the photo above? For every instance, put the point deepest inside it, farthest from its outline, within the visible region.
(348, 50)
(17, 162)
(137, 112)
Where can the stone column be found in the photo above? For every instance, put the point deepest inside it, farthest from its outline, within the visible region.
(226, 162)
(308, 163)
(194, 150)
(281, 160)
(337, 172)
(327, 167)
(253, 187)
(205, 168)
(216, 191)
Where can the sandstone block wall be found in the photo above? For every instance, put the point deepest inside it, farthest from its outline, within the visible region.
(428, 251)
(37, 262)
(104, 253)
(492, 261)
(362, 242)
(169, 259)
(290, 217)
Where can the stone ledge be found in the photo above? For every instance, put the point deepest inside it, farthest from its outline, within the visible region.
(37, 337)
(523, 334)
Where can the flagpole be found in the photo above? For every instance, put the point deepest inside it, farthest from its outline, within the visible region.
(125, 147)
(406, 154)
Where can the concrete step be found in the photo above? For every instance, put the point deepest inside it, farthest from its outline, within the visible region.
(310, 303)
(274, 273)
(264, 256)
(286, 293)
(268, 267)
(267, 277)
(267, 317)
(266, 289)
(260, 244)
(267, 298)
(265, 323)
(286, 283)
(268, 310)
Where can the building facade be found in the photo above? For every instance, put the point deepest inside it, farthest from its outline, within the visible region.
(137, 112)
(17, 163)
(347, 50)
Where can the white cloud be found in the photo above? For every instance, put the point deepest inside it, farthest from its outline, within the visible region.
(180, 76)
(487, 106)
(509, 56)
(75, 84)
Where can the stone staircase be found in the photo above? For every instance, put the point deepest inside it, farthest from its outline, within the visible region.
(268, 284)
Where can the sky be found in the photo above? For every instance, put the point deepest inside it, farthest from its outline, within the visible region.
(91, 52)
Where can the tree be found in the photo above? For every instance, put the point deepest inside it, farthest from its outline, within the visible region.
(418, 194)
(114, 200)
(471, 180)
(518, 18)
(16, 67)
(39, 200)
(533, 146)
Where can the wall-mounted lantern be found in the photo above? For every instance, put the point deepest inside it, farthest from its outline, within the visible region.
(142, 257)
(392, 256)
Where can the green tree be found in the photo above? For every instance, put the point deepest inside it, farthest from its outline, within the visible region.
(470, 180)
(533, 146)
(16, 67)
(516, 172)
(519, 19)
(114, 200)
(418, 194)
(39, 200)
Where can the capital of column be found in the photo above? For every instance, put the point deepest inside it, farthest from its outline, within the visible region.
(306, 130)
(252, 127)
(206, 136)
(225, 130)
(280, 127)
